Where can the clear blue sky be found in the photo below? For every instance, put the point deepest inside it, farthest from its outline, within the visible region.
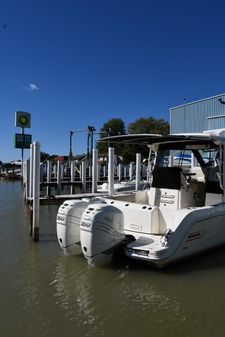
(73, 63)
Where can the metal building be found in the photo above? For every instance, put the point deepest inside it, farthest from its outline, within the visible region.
(205, 114)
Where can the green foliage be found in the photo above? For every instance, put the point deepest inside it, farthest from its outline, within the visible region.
(144, 125)
(113, 127)
(116, 126)
(44, 156)
(141, 125)
(149, 125)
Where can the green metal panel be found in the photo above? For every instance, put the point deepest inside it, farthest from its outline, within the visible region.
(22, 141)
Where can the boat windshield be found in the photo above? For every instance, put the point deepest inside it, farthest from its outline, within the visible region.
(187, 158)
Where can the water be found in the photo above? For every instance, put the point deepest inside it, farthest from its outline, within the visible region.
(44, 293)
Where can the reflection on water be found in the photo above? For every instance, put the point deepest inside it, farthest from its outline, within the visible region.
(108, 301)
(45, 293)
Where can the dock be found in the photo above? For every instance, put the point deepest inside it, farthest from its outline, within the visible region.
(52, 188)
(59, 199)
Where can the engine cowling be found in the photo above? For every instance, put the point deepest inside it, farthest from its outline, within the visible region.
(68, 224)
(101, 232)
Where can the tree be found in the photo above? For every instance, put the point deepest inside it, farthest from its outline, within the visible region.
(149, 125)
(44, 156)
(113, 127)
(144, 125)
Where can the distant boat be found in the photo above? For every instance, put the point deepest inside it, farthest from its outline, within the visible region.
(11, 170)
(122, 186)
(185, 158)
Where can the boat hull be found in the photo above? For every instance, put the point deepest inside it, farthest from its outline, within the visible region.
(199, 230)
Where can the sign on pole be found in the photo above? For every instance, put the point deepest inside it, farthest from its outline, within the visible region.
(22, 141)
(22, 119)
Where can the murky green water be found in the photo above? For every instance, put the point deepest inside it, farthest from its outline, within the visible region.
(44, 293)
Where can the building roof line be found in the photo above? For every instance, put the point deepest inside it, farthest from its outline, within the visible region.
(197, 101)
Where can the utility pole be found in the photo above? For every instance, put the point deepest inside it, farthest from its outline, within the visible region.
(91, 130)
(71, 151)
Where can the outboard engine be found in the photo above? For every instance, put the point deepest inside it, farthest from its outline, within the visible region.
(68, 224)
(101, 232)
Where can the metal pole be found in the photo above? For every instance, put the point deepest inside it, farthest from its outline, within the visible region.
(58, 177)
(27, 183)
(72, 177)
(88, 148)
(111, 171)
(120, 172)
(131, 169)
(104, 171)
(31, 172)
(36, 191)
(22, 151)
(92, 147)
(138, 171)
(94, 170)
(125, 172)
(71, 150)
(91, 130)
(83, 176)
(49, 176)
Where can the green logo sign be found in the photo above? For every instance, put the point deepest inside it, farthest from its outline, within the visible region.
(22, 119)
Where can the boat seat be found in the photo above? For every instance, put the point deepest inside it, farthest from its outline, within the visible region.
(169, 189)
(167, 177)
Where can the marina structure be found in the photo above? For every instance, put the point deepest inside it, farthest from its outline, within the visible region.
(34, 181)
(11, 170)
(197, 116)
(186, 185)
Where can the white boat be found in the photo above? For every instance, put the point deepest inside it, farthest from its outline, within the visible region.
(182, 214)
(121, 186)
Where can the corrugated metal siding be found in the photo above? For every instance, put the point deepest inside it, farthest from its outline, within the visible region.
(193, 117)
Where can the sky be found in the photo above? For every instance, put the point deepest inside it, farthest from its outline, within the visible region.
(74, 63)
